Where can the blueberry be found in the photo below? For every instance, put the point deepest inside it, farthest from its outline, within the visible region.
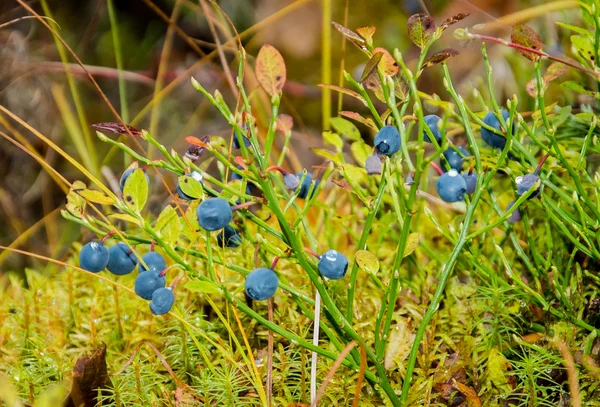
(451, 187)
(515, 216)
(491, 138)
(155, 262)
(195, 175)
(236, 143)
(126, 174)
(214, 214)
(229, 238)
(261, 284)
(525, 183)
(235, 175)
(433, 122)
(454, 158)
(305, 187)
(93, 257)
(373, 165)
(333, 265)
(162, 301)
(387, 140)
(122, 260)
(147, 283)
(291, 181)
(471, 181)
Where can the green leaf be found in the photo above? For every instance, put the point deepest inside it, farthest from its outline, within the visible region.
(578, 30)
(135, 193)
(333, 139)
(411, 244)
(584, 47)
(421, 28)
(357, 174)
(191, 187)
(189, 224)
(367, 261)
(360, 151)
(577, 87)
(95, 196)
(270, 69)
(371, 66)
(205, 287)
(330, 155)
(75, 203)
(345, 128)
(167, 225)
(125, 217)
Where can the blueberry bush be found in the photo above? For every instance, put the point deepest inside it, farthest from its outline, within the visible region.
(450, 257)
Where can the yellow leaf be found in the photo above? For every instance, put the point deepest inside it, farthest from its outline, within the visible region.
(400, 341)
(270, 69)
(94, 196)
(411, 244)
(367, 261)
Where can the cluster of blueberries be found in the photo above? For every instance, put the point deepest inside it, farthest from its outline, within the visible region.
(452, 186)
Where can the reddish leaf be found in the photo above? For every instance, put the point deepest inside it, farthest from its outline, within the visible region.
(89, 375)
(366, 33)
(345, 91)
(116, 128)
(388, 64)
(350, 35)
(196, 141)
(523, 35)
(454, 19)
(373, 83)
(197, 147)
(555, 70)
(343, 184)
(371, 66)
(421, 28)
(441, 56)
(270, 69)
(355, 116)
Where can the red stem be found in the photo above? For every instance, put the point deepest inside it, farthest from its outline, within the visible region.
(109, 234)
(152, 245)
(437, 168)
(274, 263)
(179, 277)
(471, 170)
(309, 251)
(242, 205)
(542, 161)
(276, 168)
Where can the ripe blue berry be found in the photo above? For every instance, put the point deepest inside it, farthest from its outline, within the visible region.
(155, 262)
(333, 265)
(148, 282)
(236, 140)
(451, 187)
(525, 183)
(515, 216)
(471, 181)
(125, 175)
(387, 140)
(433, 122)
(454, 158)
(195, 175)
(214, 214)
(305, 187)
(122, 261)
(162, 301)
(93, 257)
(373, 165)
(261, 284)
(291, 181)
(491, 138)
(229, 238)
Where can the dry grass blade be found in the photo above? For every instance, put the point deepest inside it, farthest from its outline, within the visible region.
(571, 371)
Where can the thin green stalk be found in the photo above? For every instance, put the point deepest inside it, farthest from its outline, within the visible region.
(327, 6)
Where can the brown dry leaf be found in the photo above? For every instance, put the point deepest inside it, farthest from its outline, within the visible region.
(472, 397)
(524, 35)
(366, 32)
(388, 64)
(89, 374)
(454, 19)
(270, 69)
(371, 66)
(400, 341)
(458, 395)
(284, 123)
(441, 56)
(345, 91)
(421, 28)
(350, 35)
(344, 185)
(357, 117)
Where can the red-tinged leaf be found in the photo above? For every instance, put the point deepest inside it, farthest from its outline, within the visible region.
(196, 141)
(270, 69)
(345, 91)
(523, 35)
(366, 33)
(441, 56)
(116, 128)
(371, 66)
(421, 28)
(555, 70)
(388, 64)
(373, 83)
(454, 19)
(90, 374)
(284, 123)
(357, 117)
(241, 161)
(350, 35)
(344, 185)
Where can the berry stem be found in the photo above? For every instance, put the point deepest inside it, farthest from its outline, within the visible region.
(277, 168)
(152, 245)
(541, 164)
(471, 170)
(242, 205)
(437, 168)
(108, 235)
(274, 263)
(162, 273)
(309, 251)
(176, 281)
